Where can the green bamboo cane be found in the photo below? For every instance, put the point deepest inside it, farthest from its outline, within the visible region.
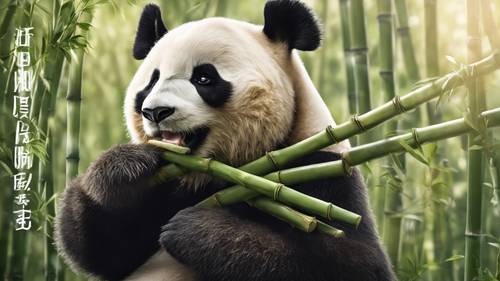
(359, 51)
(276, 191)
(321, 59)
(475, 156)
(431, 38)
(439, 216)
(355, 156)
(346, 43)
(45, 169)
(274, 160)
(409, 60)
(18, 256)
(497, 275)
(73, 102)
(73, 98)
(489, 24)
(5, 227)
(431, 50)
(303, 222)
(393, 199)
(404, 33)
(6, 37)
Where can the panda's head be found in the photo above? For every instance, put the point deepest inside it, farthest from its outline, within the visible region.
(225, 88)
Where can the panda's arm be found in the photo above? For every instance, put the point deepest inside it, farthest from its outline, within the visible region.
(243, 244)
(110, 219)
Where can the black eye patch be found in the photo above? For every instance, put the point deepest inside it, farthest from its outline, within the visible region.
(141, 96)
(214, 90)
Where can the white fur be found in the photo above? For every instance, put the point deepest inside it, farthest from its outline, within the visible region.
(162, 267)
(190, 110)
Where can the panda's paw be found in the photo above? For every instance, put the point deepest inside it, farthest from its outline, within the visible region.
(189, 232)
(121, 169)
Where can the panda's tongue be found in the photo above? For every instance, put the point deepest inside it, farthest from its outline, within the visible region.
(171, 137)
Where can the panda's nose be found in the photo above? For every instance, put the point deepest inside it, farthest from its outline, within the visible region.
(157, 114)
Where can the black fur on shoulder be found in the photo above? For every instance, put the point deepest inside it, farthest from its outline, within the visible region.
(292, 22)
(241, 243)
(151, 29)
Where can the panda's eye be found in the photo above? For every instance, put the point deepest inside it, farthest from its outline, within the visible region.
(203, 80)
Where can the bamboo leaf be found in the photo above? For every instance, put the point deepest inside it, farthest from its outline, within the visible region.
(454, 258)
(452, 60)
(415, 153)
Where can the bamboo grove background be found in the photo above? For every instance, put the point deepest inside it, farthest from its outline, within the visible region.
(437, 208)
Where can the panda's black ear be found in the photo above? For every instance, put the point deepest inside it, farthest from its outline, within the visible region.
(292, 22)
(151, 29)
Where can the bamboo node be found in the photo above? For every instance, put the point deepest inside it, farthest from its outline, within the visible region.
(384, 17)
(207, 167)
(403, 31)
(473, 234)
(329, 211)
(346, 167)
(277, 190)
(331, 134)
(278, 173)
(271, 158)
(360, 50)
(345, 159)
(396, 101)
(355, 119)
(386, 73)
(414, 134)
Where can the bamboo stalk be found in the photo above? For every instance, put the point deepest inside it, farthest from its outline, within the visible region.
(6, 227)
(50, 255)
(5, 48)
(393, 198)
(303, 222)
(475, 156)
(276, 191)
(359, 51)
(274, 160)
(404, 33)
(73, 102)
(346, 43)
(18, 257)
(431, 38)
(296, 219)
(328, 229)
(431, 50)
(353, 157)
(489, 24)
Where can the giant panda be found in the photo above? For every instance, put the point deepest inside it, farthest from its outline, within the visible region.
(232, 91)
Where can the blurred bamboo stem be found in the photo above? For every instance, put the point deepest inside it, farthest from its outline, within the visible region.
(5, 216)
(5, 48)
(359, 53)
(475, 167)
(276, 191)
(409, 58)
(489, 24)
(392, 200)
(353, 157)
(346, 43)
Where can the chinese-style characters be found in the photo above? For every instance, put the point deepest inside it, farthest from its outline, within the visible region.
(23, 158)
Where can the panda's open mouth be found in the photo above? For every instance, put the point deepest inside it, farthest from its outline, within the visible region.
(192, 139)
